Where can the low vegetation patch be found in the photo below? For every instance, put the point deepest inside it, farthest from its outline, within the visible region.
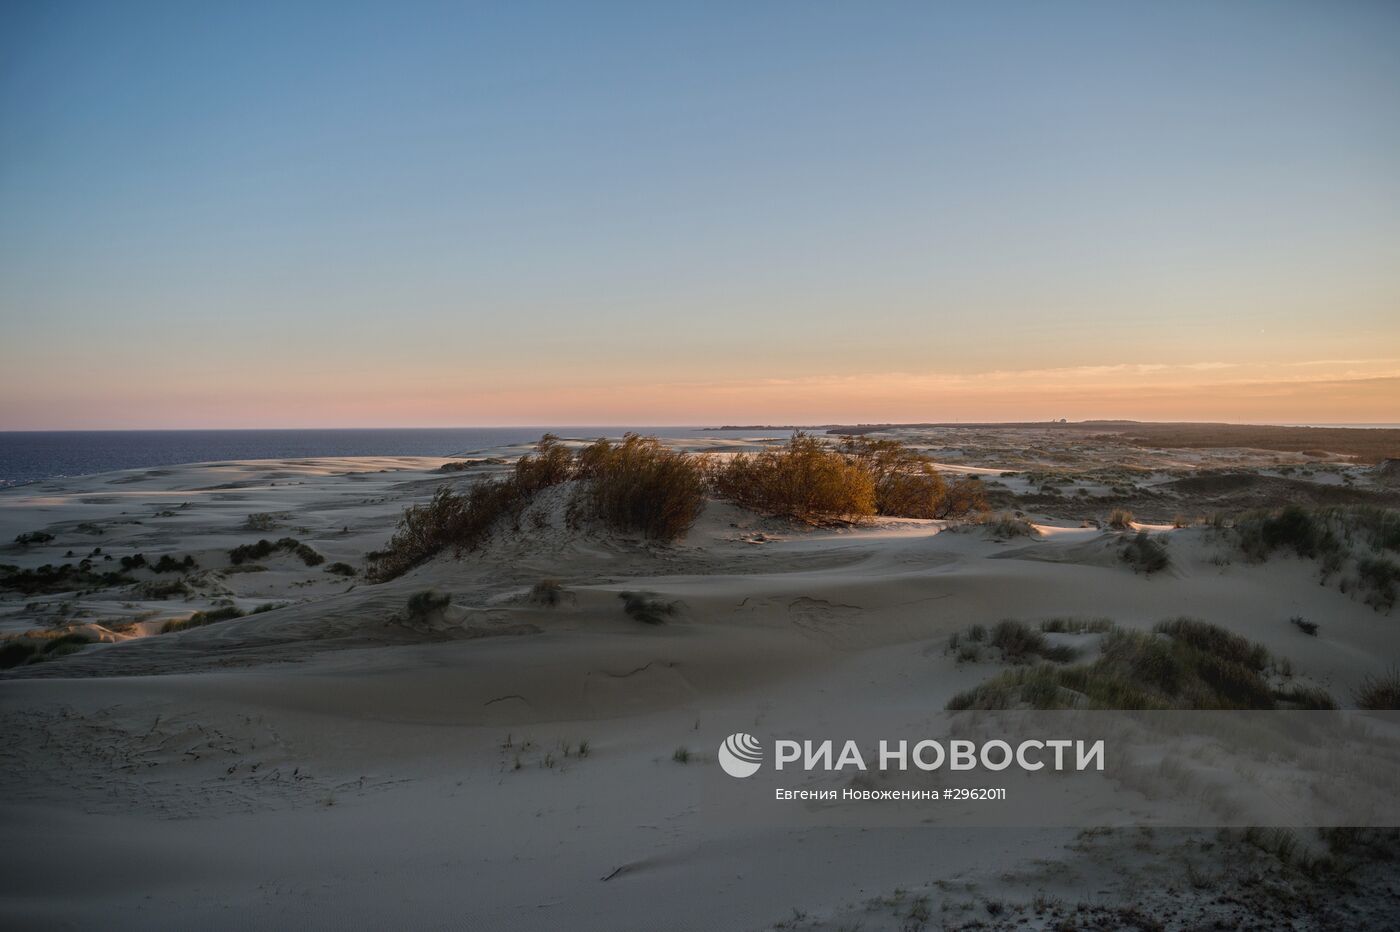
(1378, 577)
(1006, 526)
(1307, 627)
(33, 537)
(66, 577)
(1014, 641)
(423, 604)
(1380, 692)
(340, 569)
(1072, 625)
(547, 592)
(1182, 664)
(1120, 519)
(199, 619)
(266, 548)
(19, 651)
(647, 607)
(163, 589)
(1358, 536)
(1145, 554)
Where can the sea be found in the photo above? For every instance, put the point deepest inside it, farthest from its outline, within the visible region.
(32, 456)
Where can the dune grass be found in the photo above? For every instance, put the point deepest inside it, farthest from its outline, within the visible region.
(1006, 526)
(1362, 536)
(1182, 664)
(1380, 691)
(200, 619)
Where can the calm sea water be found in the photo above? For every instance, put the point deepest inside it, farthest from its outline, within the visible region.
(28, 456)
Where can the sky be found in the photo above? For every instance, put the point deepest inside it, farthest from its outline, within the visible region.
(306, 214)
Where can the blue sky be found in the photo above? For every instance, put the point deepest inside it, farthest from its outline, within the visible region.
(359, 214)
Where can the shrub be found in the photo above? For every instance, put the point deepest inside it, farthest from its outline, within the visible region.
(341, 569)
(1293, 527)
(1005, 526)
(245, 552)
(424, 603)
(15, 652)
(639, 485)
(646, 607)
(50, 578)
(1120, 519)
(260, 521)
(905, 483)
(168, 564)
(1378, 577)
(456, 466)
(546, 592)
(133, 562)
(1307, 627)
(156, 589)
(804, 480)
(1019, 643)
(1380, 692)
(33, 537)
(265, 548)
(1215, 640)
(308, 554)
(464, 521)
(1145, 554)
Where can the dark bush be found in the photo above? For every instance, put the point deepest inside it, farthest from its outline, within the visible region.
(646, 607)
(1378, 577)
(168, 564)
(1020, 643)
(1294, 528)
(341, 569)
(64, 578)
(33, 537)
(265, 548)
(1380, 692)
(422, 604)
(1307, 627)
(546, 592)
(1145, 554)
(16, 652)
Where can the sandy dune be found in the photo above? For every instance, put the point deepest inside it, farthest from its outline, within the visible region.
(329, 762)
